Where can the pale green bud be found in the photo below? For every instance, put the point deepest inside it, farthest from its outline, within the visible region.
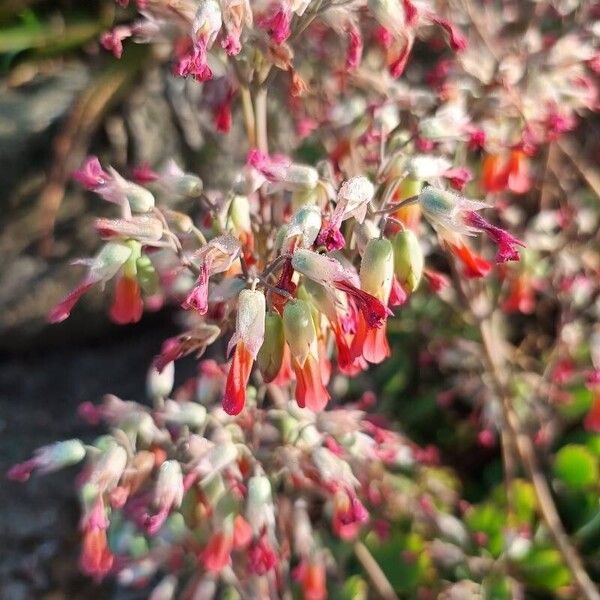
(299, 329)
(270, 355)
(377, 268)
(408, 260)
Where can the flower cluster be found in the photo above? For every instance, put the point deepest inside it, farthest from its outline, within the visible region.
(309, 291)
(184, 489)
(287, 277)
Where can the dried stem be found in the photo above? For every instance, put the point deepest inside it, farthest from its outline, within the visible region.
(248, 112)
(380, 582)
(527, 455)
(260, 107)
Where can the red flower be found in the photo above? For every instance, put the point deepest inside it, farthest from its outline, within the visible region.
(217, 553)
(261, 556)
(311, 576)
(127, 305)
(474, 265)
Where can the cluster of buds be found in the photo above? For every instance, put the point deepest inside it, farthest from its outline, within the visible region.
(186, 490)
(318, 294)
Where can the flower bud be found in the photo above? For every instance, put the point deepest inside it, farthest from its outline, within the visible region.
(139, 198)
(259, 508)
(409, 187)
(424, 166)
(239, 214)
(188, 185)
(270, 355)
(300, 177)
(353, 198)
(178, 183)
(189, 414)
(365, 232)
(109, 260)
(299, 329)
(377, 268)
(305, 222)
(304, 198)
(146, 275)
(250, 323)
(49, 459)
(61, 454)
(107, 471)
(144, 228)
(408, 260)
(160, 383)
(169, 485)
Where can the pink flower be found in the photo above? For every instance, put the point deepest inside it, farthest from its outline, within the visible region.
(457, 39)
(348, 516)
(507, 243)
(91, 174)
(113, 40)
(277, 23)
(261, 556)
(458, 177)
(355, 47)
(217, 553)
(193, 63)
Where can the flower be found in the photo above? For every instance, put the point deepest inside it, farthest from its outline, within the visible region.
(168, 494)
(301, 337)
(376, 276)
(328, 271)
(247, 339)
(507, 243)
(215, 257)
(102, 268)
(48, 459)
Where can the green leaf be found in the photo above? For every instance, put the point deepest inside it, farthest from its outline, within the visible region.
(543, 568)
(576, 466)
(487, 518)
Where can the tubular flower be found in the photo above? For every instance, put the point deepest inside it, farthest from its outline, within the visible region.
(328, 304)
(376, 275)
(261, 556)
(349, 515)
(510, 172)
(277, 22)
(521, 296)
(507, 243)
(301, 337)
(102, 268)
(48, 459)
(216, 257)
(168, 494)
(247, 339)
(353, 199)
(329, 272)
(128, 305)
(217, 553)
(311, 576)
(451, 217)
(96, 558)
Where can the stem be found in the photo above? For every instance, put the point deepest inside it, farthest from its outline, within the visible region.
(376, 575)
(260, 107)
(530, 462)
(248, 112)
